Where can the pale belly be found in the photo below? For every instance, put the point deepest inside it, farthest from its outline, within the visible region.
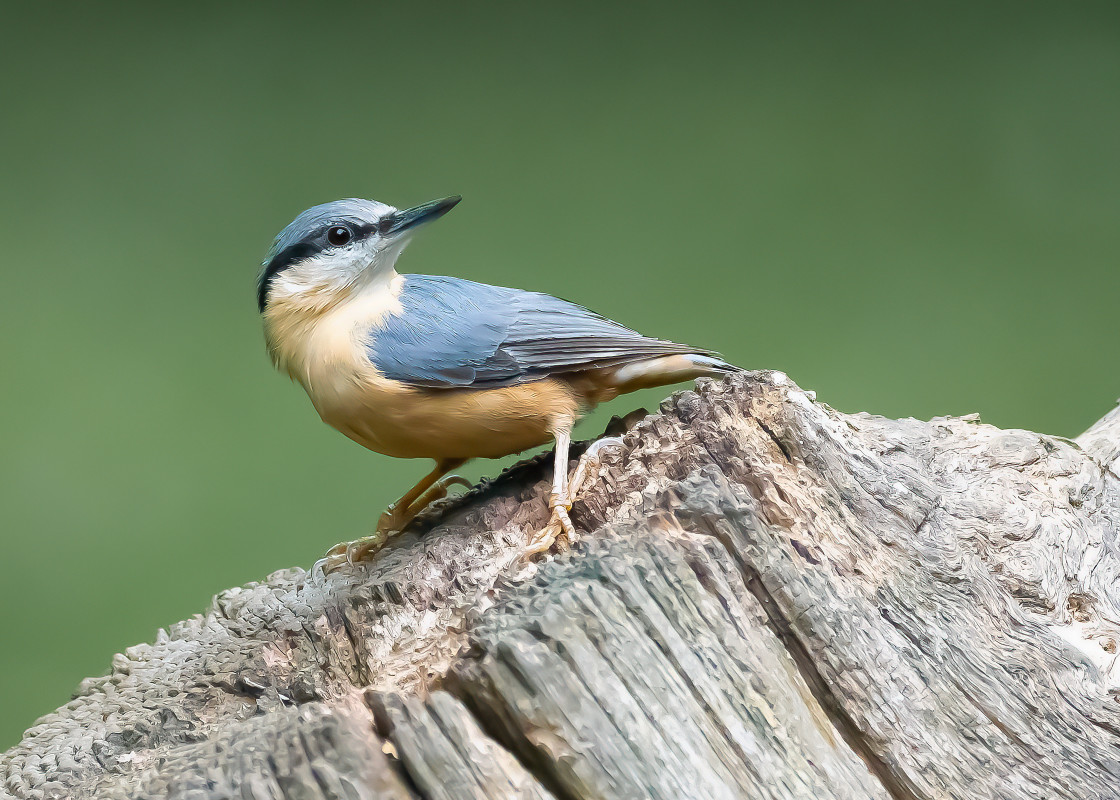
(451, 423)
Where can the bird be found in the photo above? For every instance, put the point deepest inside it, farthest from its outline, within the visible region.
(440, 367)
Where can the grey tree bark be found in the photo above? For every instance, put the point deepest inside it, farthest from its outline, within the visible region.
(773, 600)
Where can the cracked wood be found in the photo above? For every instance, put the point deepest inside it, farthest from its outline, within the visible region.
(774, 600)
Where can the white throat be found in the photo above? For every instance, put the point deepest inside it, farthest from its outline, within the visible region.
(331, 277)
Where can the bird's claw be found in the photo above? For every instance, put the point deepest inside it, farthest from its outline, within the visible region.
(394, 520)
(346, 554)
(592, 459)
(560, 503)
(437, 491)
(560, 523)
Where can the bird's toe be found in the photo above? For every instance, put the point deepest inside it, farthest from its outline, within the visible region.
(350, 553)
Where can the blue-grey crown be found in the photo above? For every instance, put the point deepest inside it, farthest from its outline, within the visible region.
(305, 235)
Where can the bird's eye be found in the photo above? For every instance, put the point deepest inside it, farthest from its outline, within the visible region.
(339, 235)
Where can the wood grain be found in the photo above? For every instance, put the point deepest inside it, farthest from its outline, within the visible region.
(773, 600)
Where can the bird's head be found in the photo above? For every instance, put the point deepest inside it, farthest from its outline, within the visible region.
(331, 248)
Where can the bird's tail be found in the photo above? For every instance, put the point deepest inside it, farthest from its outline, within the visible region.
(712, 366)
(663, 370)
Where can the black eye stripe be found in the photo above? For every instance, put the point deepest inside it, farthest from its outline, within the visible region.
(309, 246)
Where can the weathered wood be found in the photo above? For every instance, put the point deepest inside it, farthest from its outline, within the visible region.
(777, 600)
(620, 674)
(445, 753)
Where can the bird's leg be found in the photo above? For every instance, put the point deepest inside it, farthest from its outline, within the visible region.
(396, 517)
(558, 500)
(563, 491)
(437, 491)
(431, 487)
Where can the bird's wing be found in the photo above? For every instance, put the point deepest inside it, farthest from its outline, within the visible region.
(454, 333)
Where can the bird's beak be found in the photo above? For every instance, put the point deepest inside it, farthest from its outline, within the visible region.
(400, 221)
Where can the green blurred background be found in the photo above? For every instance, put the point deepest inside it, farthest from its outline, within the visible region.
(913, 212)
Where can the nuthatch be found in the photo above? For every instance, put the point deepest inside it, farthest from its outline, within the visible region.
(423, 366)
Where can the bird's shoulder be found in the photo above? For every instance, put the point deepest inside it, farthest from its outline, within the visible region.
(445, 332)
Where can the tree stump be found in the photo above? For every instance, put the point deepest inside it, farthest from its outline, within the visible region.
(771, 600)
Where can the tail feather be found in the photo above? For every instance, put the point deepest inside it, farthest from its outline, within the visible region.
(664, 370)
(714, 366)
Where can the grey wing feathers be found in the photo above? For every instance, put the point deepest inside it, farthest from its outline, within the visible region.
(557, 335)
(457, 333)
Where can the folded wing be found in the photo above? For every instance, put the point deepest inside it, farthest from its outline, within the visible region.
(455, 333)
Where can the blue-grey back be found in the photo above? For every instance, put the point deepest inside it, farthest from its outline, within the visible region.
(455, 333)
